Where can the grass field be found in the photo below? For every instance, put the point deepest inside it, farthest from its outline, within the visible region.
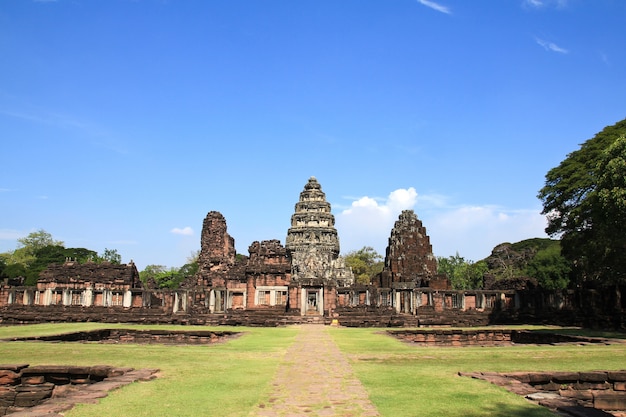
(230, 379)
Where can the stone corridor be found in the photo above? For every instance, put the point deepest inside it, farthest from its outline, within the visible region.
(316, 379)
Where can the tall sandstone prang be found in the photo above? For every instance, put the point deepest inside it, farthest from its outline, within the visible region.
(312, 242)
(217, 251)
(409, 256)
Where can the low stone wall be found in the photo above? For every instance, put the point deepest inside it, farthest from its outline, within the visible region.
(453, 337)
(188, 337)
(372, 316)
(67, 314)
(54, 389)
(563, 391)
(488, 337)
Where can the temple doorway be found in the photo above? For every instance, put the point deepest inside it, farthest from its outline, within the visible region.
(312, 301)
(311, 304)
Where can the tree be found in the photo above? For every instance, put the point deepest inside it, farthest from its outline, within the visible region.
(549, 268)
(584, 201)
(37, 240)
(110, 255)
(462, 274)
(163, 277)
(365, 264)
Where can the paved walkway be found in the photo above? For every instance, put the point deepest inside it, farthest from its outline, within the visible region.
(315, 379)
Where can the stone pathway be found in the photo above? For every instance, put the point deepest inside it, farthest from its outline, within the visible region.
(316, 379)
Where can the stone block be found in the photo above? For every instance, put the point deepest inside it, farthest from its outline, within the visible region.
(585, 395)
(7, 397)
(595, 376)
(13, 367)
(40, 370)
(619, 386)
(29, 396)
(565, 377)
(609, 400)
(617, 376)
(539, 378)
(602, 386)
(8, 377)
(100, 372)
(520, 376)
(33, 379)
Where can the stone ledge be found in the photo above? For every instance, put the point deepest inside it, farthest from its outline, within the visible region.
(49, 399)
(577, 391)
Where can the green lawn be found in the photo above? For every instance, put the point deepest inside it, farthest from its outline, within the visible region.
(406, 380)
(230, 379)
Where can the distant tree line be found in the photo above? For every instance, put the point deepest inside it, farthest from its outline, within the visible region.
(38, 250)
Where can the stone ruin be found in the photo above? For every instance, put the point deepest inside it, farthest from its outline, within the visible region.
(303, 281)
(581, 394)
(52, 390)
(409, 256)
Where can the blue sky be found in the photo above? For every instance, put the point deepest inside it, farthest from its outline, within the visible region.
(124, 122)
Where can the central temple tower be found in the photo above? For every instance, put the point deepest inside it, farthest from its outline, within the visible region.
(313, 248)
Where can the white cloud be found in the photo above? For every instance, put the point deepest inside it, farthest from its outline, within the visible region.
(368, 221)
(550, 46)
(538, 4)
(472, 231)
(435, 6)
(533, 3)
(185, 231)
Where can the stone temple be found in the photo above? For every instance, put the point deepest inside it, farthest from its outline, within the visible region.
(307, 276)
(313, 249)
(304, 280)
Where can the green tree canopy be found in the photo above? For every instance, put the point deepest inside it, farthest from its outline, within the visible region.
(549, 268)
(110, 255)
(365, 264)
(584, 200)
(461, 273)
(160, 276)
(38, 240)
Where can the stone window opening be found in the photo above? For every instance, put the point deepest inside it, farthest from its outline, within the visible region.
(490, 301)
(263, 298)
(77, 298)
(281, 298)
(117, 299)
(57, 297)
(385, 299)
(453, 300)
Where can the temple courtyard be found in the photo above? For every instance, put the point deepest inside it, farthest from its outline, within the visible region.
(315, 370)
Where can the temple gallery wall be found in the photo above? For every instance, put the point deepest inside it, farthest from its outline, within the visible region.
(303, 280)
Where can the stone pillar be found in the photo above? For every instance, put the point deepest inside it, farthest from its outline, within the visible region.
(175, 306)
(127, 301)
(212, 301)
(88, 297)
(47, 299)
(66, 299)
(320, 301)
(396, 300)
(303, 301)
(27, 298)
(220, 302)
